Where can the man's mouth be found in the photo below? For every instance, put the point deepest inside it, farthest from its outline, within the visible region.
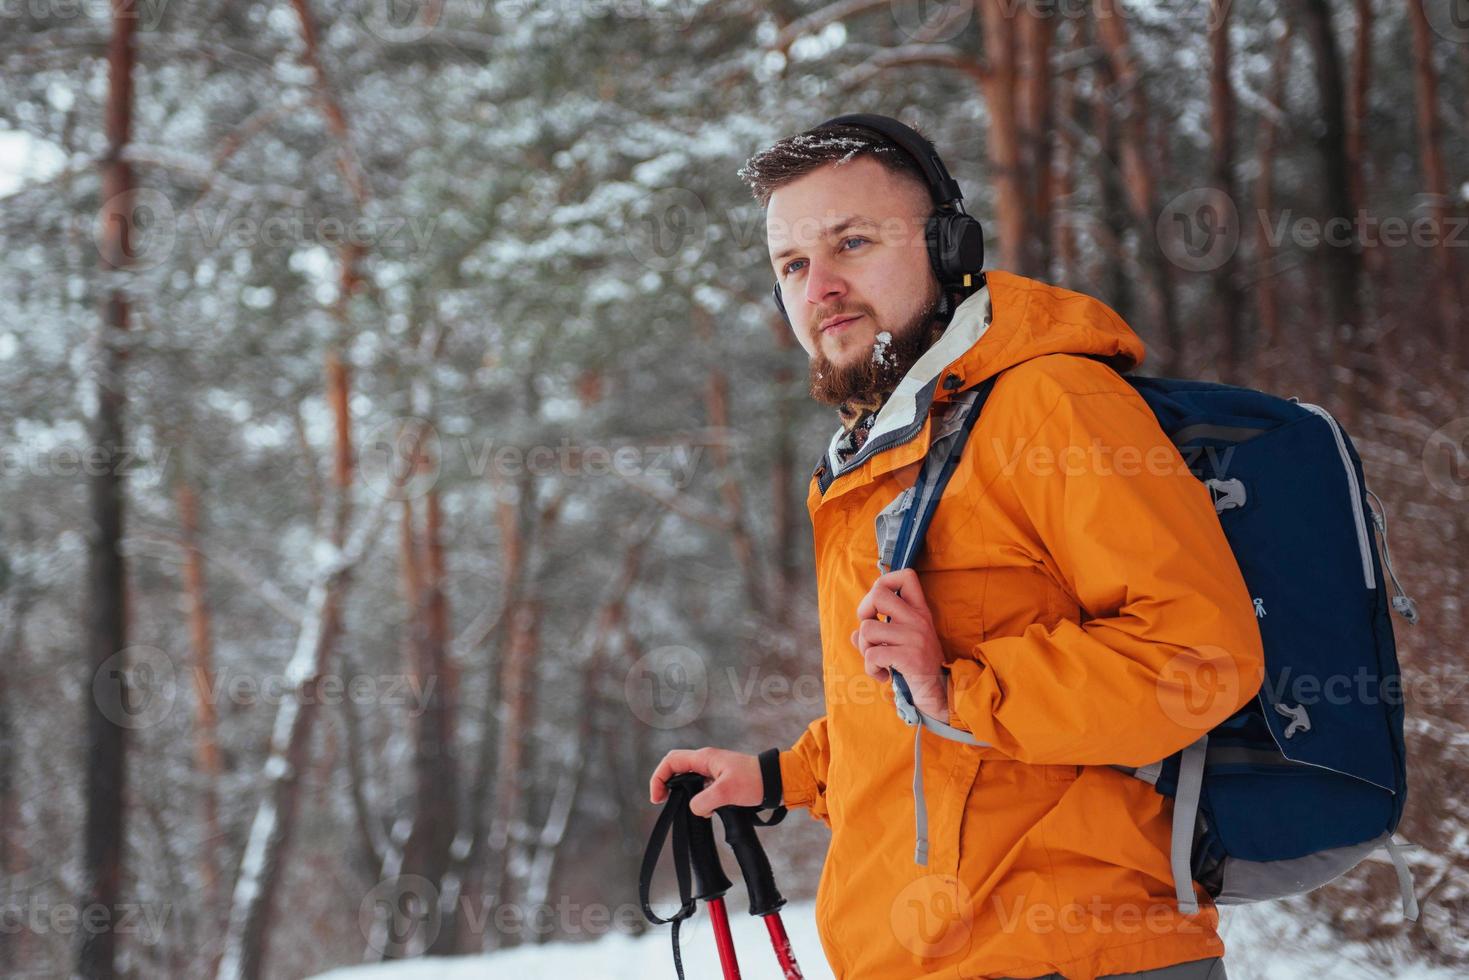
(837, 324)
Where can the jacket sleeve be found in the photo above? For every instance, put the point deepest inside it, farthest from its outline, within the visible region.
(1168, 646)
(803, 771)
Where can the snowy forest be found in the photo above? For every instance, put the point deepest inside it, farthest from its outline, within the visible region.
(396, 418)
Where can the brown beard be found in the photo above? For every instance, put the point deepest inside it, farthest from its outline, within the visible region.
(869, 380)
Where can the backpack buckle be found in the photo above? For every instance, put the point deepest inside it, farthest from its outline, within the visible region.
(1226, 494)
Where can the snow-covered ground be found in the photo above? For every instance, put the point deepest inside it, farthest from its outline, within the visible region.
(1264, 942)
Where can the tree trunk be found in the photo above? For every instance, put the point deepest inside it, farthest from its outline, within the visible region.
(1446, 333)
(1265, 286)
(1063, 232)
(435, 820)
(1110, 265)
(14, 602)
(206, 742)
(247, 937)
(518, 701)
(716, 403)
(1227, 296)
(786, 494)
(1139, 176)
(106, 694)
(1036, 123)
(1341, 257)
(1357, 108)
(1003, 140)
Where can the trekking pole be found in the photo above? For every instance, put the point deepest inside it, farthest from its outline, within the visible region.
(765, 899)
(693, 849)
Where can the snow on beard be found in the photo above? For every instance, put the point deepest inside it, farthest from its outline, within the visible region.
(893, 353)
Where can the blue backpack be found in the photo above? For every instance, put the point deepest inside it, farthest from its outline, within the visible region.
(1309, 778)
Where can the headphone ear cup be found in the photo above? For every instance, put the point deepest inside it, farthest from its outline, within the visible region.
(955, 246)
(780, 303)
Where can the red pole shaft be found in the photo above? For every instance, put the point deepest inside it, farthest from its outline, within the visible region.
(782, 944)
(723, 940)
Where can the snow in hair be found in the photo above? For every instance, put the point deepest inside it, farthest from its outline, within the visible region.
(796, 156)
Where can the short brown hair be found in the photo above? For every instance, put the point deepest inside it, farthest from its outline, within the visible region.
(796, 156)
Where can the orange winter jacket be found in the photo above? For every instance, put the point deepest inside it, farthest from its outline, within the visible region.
(1091, 615)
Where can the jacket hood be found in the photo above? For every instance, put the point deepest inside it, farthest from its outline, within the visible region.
(1009, 320)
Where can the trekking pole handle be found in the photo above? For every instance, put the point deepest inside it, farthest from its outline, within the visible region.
(710, 881)
(740, 834)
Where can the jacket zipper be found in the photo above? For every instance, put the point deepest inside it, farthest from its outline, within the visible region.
(1341, 447)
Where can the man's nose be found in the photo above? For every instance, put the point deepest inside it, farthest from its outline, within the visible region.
(823, 285)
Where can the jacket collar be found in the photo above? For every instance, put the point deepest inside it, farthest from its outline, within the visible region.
(1030, 319)
(910, 401)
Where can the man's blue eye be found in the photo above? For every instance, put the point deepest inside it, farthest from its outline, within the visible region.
(789, 267)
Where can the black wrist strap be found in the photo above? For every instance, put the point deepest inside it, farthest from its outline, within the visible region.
(774, 793)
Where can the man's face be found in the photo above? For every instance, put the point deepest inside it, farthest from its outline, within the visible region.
(847, 247)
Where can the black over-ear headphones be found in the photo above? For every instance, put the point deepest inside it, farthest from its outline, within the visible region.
(955, 239)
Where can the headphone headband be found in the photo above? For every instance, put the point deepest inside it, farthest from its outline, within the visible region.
(945, 189)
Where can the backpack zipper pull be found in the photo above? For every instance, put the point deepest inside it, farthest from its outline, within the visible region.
(1402, 603)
